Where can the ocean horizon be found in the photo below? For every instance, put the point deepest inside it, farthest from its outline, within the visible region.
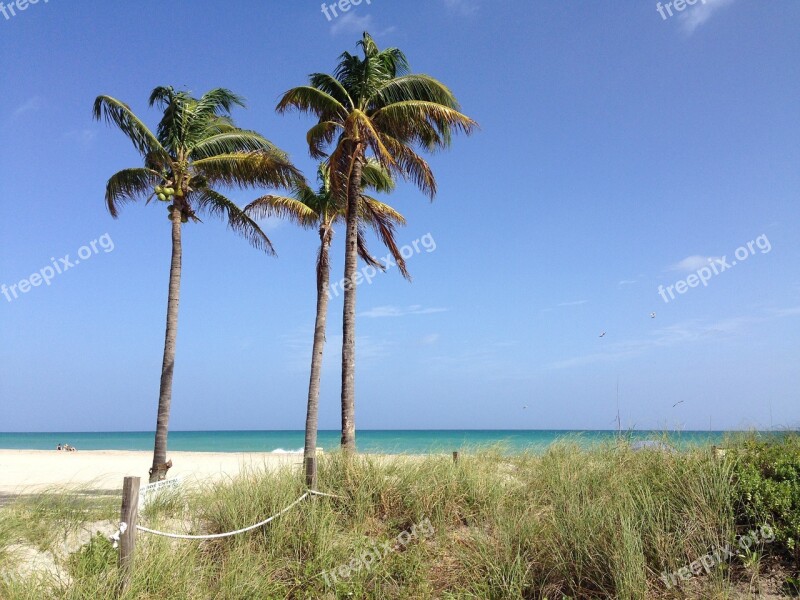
(418, 441)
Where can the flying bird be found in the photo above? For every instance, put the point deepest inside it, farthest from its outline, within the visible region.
(603, 334)
(652, 315)
(676, 404)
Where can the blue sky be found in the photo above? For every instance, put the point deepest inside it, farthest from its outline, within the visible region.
(619, 151)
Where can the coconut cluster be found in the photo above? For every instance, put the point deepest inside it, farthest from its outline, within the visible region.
(165, 194)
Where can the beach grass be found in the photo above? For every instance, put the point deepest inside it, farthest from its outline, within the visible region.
(573, 522)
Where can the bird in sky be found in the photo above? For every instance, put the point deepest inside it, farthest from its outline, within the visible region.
(676, 404)
(603, 334)
(652, 315)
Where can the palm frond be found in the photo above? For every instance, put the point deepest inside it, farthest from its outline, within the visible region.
(383, 222)
(320, 135)
(282, 207)
(120, 114)
(412, 166)
(249, 169)
(307, 99)
(215, 204)
(410, 117)
(130, 185)
(333, 87)
(232, 141)
(414, 87)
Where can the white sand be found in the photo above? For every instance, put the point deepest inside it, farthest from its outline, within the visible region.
(28, 471)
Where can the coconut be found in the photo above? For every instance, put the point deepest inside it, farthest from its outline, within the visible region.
(169, 191)
(159, 189)
(162, 197)
(184, 219)
(170, 207)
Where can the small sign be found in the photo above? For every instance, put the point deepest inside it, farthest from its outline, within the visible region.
(159, 486)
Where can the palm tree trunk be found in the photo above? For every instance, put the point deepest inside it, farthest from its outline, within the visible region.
(349, 313)
(160, 466)
(312, 415)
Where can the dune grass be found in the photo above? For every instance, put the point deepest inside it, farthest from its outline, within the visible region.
(573, 522)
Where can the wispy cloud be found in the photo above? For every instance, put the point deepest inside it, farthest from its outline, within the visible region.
(298, 345)
(694, 16)
(430, 339)
(574, 303)
(351, 23)
(463, 7)
(692, 263)
(627, 282)
(672, 335)
(399, 311)
(82, 137)
(34, 104)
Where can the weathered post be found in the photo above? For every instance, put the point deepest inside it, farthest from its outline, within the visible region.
(127, 539)
(455, 457)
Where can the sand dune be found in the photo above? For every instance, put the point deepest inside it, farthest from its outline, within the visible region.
(28, 471)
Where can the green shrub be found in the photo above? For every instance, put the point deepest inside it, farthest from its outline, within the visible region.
(767, 486)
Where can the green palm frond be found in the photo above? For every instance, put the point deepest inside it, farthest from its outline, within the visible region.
(308, 99)
(320, 135)
(376, 177)
(412, 166)
(120, 114)
(383, 222)
(331, 86)
(283, 207)
(215, 204)
(412, 116)
(130, 185)
(229, 142)
(249, 169)
(413, 87)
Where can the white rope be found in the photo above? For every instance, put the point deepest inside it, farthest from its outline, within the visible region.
(316, 493)
(180, 536)
(114, 537)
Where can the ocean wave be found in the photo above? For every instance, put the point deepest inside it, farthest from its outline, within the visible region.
(282, 451)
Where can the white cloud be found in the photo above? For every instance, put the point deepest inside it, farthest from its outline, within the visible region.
(671, 335)
(33, 104)
(574, 303)
(430, 339)
(694, 16)
(627, 282)
(399, 311)
(692, 263)
(351, 23)
(82, 137)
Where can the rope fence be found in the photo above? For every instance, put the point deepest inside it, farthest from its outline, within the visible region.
(181, 536)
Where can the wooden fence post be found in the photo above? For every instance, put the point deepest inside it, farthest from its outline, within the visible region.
(455, 457)
(127, 540)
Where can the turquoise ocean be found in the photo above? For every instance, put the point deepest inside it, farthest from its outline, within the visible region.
(377, 441)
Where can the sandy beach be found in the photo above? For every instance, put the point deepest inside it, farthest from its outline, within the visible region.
(29, 471)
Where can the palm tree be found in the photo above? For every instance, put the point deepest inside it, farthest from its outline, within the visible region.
(321, 210)
(372, 105)
(195, 149)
